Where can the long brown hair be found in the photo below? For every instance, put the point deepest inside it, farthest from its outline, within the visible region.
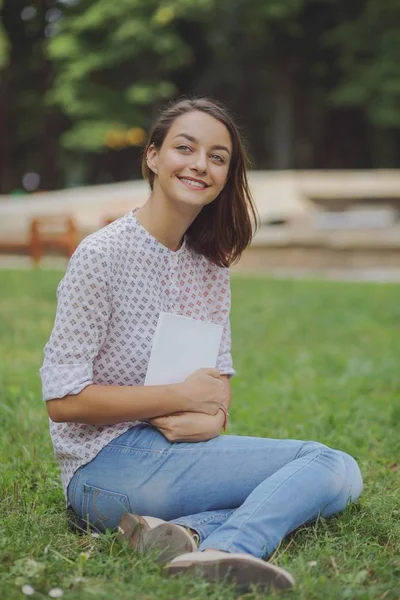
(225, 227)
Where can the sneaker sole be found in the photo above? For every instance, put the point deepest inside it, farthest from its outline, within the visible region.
(243, 572)
(167, 541)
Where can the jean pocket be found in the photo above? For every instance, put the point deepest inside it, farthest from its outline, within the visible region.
(102, 508)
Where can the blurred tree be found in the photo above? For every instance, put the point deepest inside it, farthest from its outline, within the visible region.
(29, 128)
(284, 66)
(314, 82)
(4, 43)
(367, 44)
(115, 65)
(6, 170)
(264, 56)
(273, 64)
(368, 47)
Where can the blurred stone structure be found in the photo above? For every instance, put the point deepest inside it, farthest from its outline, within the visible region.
(327, 220)
(309, 219)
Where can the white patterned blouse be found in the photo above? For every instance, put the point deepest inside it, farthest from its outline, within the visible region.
(109, 300)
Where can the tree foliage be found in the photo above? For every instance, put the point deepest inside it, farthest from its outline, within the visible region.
(115, 60)
(4, 44)
(368, 48)
(315, 83)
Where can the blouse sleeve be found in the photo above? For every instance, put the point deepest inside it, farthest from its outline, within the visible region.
(218, 298)
(80, 327)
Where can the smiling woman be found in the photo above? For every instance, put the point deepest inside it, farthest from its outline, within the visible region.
(189, 174)
(196, 146)
(128, 450)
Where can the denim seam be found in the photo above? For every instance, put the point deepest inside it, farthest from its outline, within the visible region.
(210, 518)
(198, 525)
(129, 450)
(206, 520)
(223, 546)
(73, 484)
(266, 499)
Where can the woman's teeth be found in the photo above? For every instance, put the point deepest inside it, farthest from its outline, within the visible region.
(196, 184)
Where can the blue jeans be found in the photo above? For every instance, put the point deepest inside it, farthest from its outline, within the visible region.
(241, 494)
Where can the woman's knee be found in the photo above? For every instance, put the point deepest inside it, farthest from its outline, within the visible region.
(354, 481)
(342, 475)
(351, 488)
(331, 471)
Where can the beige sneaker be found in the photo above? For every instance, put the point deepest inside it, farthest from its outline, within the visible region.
(244, 570)
(152, 534)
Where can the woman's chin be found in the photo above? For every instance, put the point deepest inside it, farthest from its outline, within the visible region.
(194, 200)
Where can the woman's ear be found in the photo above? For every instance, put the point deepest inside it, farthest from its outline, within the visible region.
(152, 159)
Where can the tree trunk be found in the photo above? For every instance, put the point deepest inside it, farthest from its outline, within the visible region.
(7, 176)
(282, 125)
(50, 175)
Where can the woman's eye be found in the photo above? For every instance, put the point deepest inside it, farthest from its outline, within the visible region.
(218, 158)
(183, 147)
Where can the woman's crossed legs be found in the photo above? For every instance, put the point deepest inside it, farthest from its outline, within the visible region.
(240, 494)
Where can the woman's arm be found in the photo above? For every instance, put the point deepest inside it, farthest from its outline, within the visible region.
(194, 427)
(202, 392)
(83, 313)
(189, 426)
(106, 404)
(217, 295)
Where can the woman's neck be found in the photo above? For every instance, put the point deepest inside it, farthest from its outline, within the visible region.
(166, 223)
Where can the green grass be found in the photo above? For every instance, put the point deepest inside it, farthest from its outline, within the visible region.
(315, 360)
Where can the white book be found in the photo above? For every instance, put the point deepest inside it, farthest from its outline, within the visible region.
(181, 346)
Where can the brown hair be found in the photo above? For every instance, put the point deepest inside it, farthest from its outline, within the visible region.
(223, 228)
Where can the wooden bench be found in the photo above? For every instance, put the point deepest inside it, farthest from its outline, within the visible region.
(56, 233)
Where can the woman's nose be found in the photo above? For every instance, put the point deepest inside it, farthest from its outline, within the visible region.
(200, 162)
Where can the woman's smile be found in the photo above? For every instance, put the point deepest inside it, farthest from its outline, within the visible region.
(192, 183)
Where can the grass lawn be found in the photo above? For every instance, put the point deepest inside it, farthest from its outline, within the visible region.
(315, 360)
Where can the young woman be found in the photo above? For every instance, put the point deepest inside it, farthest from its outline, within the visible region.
(127, 449)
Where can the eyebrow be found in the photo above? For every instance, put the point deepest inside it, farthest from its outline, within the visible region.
(195, 141)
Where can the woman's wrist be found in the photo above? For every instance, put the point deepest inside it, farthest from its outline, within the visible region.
(181, 401)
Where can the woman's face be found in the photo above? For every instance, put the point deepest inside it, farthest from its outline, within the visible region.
(192, 165)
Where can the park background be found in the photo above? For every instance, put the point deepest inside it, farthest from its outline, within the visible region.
(315, 87)
(314, 83)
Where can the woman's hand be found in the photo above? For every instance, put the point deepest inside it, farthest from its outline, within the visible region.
(189, 426)
(203, 391)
